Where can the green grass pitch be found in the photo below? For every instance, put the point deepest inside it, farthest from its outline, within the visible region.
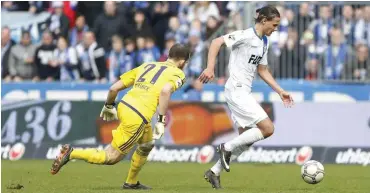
(80, 177)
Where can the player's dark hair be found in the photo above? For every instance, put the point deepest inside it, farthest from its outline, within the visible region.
(268, 12)
(179, 52)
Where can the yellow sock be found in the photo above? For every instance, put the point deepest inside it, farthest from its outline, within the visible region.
(90, 155)
(137, 162)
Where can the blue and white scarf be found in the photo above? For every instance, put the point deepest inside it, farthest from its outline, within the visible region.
(334, 64)
(74, 34)
(117, 65)
(322, 31)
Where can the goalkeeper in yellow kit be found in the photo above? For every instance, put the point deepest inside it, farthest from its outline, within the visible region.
(152, 84)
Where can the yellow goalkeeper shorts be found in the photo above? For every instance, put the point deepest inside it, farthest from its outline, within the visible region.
(133, 129)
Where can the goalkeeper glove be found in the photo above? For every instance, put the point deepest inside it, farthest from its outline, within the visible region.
(109, 112)
(159, 127)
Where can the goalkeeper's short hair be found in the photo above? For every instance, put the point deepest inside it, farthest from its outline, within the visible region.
(179, 52)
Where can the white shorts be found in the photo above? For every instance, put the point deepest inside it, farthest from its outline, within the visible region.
(245, 110)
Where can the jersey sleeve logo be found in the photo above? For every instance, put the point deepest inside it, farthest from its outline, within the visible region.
(232, 37)
(179, 83)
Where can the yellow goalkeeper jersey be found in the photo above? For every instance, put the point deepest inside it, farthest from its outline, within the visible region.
(147, 81)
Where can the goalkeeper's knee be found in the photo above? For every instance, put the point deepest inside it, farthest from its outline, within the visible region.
(145, 148)
(112, 156)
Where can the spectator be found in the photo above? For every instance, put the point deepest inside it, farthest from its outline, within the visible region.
(66, 58)
(359, 67)
(47, 68)
(312, 69)
(362, 31)
(140, 43)
(128, 8)
(289, 15)
(196, 44)
(169, 43)
(183, 12)
(107, 24)
(336, 55)
(8, 6)
(202, 10)
(14, 6)
(91, 10)
(236, 20)
(308, 44)
(321, 28)
(232, 8)
(359, 13)
(91, 56)
(141, 26)
(21, 59)
(149, 53)
(130, 54)
(151, 49)
(160, 18)
(211, 26)
(175, 30)
(197, 26)
(290, 66)
(77, 33)
(303, 19)
(347, 23)
(70, 12)
(6, 45)
(38, 6)
(279, 37)
(58, 22)
(116, 60)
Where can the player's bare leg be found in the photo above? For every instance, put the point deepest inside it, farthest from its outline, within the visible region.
(109, 156)
(264, 129)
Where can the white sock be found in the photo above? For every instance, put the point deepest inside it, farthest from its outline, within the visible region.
(248, 137)
(238, 151)
(217, 168)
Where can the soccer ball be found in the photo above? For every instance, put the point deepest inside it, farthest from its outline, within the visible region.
(312, 172)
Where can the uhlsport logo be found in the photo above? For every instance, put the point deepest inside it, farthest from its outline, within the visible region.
(276, 155)
(17, 151)
(304, 154)
(206, 154)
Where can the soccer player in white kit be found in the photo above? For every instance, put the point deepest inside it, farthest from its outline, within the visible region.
(248, 55)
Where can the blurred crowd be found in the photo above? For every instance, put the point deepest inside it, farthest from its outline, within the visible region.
(322, 42)
(99, 41)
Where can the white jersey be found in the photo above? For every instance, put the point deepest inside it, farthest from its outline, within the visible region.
(247, 52)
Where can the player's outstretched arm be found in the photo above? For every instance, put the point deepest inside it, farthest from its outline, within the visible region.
(113, 92)
(267, 77)
(209, 73)
(109, 113)
(164, 99)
